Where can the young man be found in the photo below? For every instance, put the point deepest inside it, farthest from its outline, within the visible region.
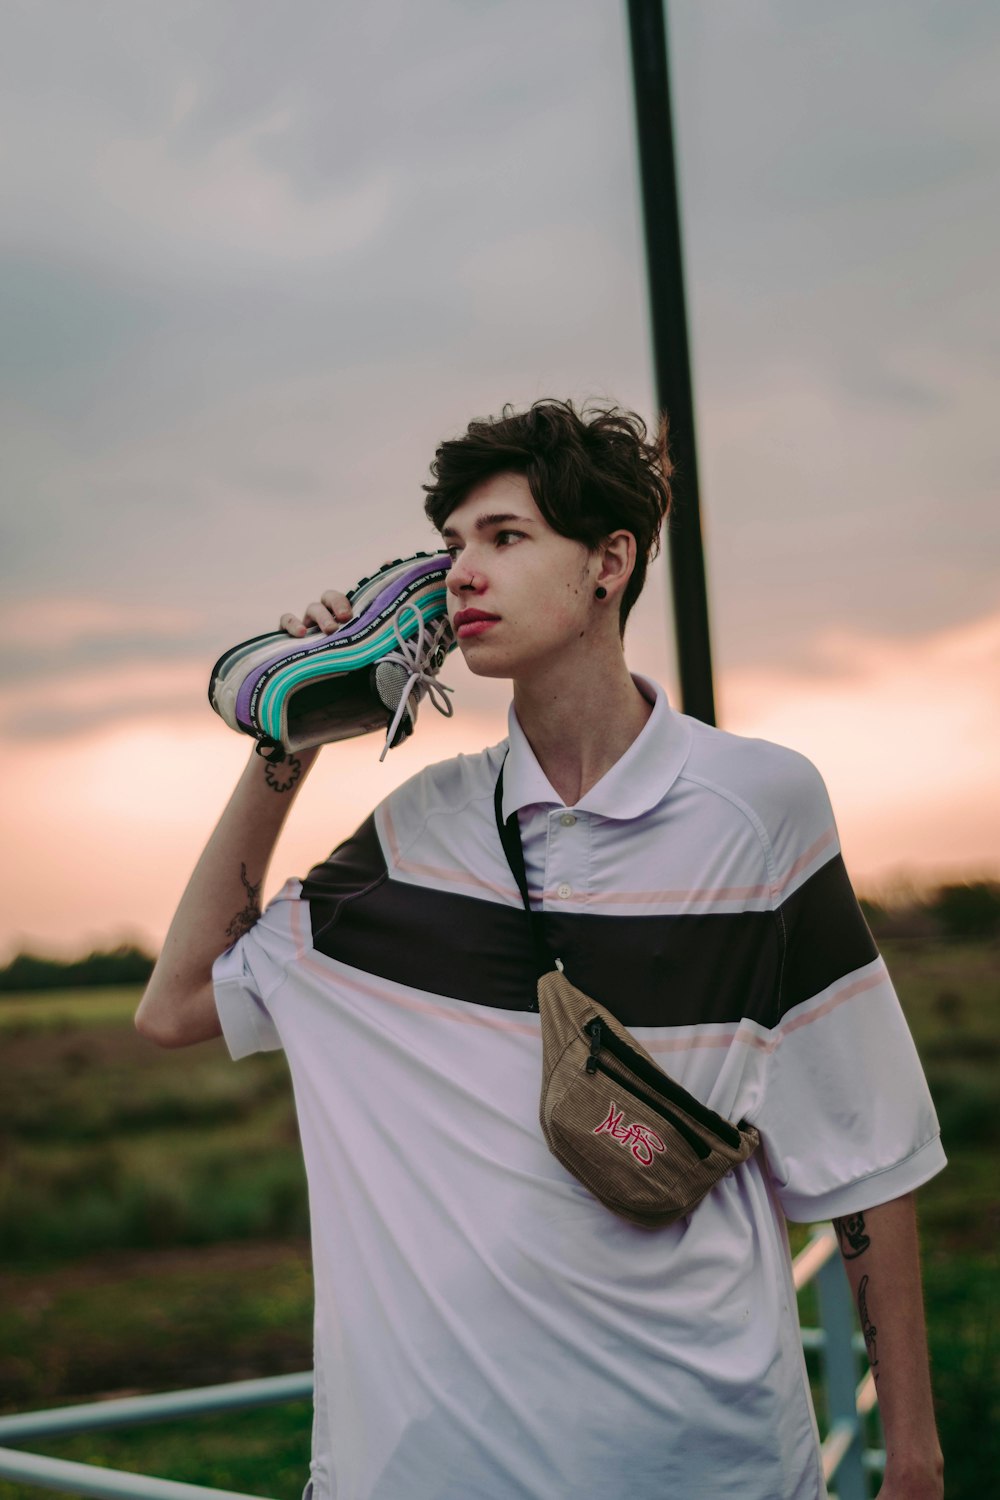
(485, 1328)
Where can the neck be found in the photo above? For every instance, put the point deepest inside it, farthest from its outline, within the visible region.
(579, 728)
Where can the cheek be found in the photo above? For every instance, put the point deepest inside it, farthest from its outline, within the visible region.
(567, 610)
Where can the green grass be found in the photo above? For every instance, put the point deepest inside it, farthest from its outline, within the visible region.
(56, 1010)
(951, 995)
(963, 1319)
(154, 1320)
(263, 1452)
(167, 1320)
(112, 1143)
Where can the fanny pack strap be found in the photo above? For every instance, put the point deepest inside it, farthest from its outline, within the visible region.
(510, 838)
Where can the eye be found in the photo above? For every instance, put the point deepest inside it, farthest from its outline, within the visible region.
(453, 549)
(504, 538)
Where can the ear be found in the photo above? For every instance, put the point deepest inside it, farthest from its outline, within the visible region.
(615, 557)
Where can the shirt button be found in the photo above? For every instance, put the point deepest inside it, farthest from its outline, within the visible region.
(567, 820)
(564, 890)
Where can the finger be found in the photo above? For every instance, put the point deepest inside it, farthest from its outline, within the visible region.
(337, 603)
(291, 625)
(318, 614)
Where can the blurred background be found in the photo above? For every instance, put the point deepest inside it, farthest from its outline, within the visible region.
(257, 262)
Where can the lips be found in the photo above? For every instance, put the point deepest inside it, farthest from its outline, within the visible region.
(470, 622)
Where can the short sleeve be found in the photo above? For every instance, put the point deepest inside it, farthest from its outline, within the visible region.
(847, 1120)
(248, 973)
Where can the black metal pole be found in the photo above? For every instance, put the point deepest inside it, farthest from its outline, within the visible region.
(671, 360)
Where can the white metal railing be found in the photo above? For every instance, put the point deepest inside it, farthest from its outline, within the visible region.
(846, 1461)
(848, 1401)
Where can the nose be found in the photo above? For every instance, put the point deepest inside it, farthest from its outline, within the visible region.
(462, 577)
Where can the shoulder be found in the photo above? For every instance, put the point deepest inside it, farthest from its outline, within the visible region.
(461, 785)
(771, 779)
(777, 789)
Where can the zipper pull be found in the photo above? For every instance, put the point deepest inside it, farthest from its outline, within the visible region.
(594, 1030)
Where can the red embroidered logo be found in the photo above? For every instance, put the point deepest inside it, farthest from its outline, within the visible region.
(643, 1142)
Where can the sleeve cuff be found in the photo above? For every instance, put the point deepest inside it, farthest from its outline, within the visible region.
(868, 1192)
(246, 1025)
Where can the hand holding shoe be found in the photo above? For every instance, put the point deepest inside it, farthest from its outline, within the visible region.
(331, 610)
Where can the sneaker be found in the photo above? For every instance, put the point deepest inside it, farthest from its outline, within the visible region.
(292, 693)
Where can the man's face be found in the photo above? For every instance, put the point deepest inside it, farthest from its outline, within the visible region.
(519, 594)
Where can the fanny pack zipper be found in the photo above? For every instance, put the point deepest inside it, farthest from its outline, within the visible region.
(601, 1037)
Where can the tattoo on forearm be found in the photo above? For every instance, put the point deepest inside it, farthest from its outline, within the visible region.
(851, 1235)
(283, 776)
(868, 1328)
(245, 919)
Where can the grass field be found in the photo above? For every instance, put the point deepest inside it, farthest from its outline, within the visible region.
(65, 1010)
(153, 1227)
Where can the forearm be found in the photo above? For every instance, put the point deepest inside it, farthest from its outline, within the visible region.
(881, 1256)
(220, 903)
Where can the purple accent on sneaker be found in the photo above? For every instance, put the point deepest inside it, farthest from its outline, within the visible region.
(300, 645)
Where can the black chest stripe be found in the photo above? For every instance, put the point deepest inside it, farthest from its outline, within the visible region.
(649, 970)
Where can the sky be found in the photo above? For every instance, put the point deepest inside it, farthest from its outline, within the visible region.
(257, 261)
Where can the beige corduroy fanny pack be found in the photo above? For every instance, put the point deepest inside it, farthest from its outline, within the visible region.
(638, 1141)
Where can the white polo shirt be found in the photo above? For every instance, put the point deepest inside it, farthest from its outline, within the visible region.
(485, 1329)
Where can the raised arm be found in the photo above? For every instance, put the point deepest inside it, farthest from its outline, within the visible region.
(222, 898)
(221, 903)
(881, 1256)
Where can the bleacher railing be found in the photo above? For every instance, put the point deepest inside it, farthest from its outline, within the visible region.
(845, 1403)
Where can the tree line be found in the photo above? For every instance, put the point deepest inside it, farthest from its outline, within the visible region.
(968, 911)
(31, 971)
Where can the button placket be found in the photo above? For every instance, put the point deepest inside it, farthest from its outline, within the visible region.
(566, 862)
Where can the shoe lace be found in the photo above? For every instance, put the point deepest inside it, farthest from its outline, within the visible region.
(423, 657)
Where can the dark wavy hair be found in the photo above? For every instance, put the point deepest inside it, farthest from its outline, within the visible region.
(591, 472)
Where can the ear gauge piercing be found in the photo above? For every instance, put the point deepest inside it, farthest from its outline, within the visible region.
(600, 592)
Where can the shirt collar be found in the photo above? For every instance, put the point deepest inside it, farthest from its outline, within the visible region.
(636, 782)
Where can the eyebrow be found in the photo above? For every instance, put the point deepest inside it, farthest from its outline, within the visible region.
(484, 522)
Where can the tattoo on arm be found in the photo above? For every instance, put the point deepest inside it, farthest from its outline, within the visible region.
(851, 1236)
(868, 1328)
(245, 919)
(283, 776)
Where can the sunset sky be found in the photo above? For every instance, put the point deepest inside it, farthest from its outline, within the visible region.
(259, 259)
